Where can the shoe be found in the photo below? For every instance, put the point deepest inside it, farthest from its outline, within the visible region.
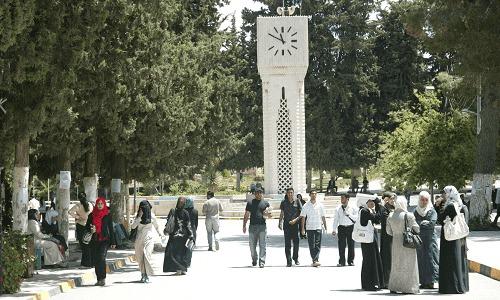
(351, 264)
(100, 283)
(254, 263)
(297, 263)
(179, 272)
(340, 265)
(289, 264)
(261, 265)
(217, 245)
(316, 264)
(142, 278)
(183, 272)
(210, 249)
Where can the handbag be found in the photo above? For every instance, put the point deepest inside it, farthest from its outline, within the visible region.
(363, 234)
(410, 238)
(457, 228)
(170, 225)
(133, 235)
(87, 237)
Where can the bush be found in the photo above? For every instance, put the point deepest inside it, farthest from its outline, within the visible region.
(15, 258)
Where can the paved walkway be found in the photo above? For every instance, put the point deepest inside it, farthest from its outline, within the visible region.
(227, 273)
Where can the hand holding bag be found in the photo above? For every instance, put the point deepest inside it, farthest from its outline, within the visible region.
(410, 238)
(133, 235)
(87, 237)
(363, 234)
(457, 228)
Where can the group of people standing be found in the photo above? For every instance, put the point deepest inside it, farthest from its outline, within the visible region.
(407, 270)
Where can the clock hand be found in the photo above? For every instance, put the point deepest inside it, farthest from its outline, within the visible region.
(282, 40)
(276, 37)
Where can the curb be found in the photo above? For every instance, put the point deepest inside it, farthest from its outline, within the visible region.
(485, 270)
(80, 280)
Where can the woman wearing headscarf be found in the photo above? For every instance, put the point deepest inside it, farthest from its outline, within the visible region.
(175, 252)
(52, 253)
(386, 239)
(428, 253)
(404, 267)
(453, 266)
(80, 212)
(145, 223)
(193, 217)
(99, 223)
(372, 274)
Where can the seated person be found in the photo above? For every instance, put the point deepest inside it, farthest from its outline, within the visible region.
(49, 225)
(52, 252)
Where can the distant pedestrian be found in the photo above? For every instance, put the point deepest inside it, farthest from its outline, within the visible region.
(80, 212)
(428, 254)
(289, 222)
(385, 239)
(313, 216)
(99, 223)
(256, 210)
(404, 268)
(453, 265)
(179, 240)
(212, 209)
(343, 225)
(364, 188)
(372, 273)
(497, 202)
(193, 218)
(302, 201)
(146, 224)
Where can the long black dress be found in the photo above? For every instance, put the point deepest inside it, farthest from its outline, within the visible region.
(453, 268)
(385, 242)
(175, 258)
(428, 254)
(372, 274)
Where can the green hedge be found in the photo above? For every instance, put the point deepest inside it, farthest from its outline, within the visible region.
(15, 258)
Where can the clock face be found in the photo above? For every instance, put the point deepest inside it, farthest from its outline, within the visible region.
(284, 41)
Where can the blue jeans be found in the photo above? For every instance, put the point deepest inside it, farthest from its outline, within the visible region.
(257, 233)
(314, 239)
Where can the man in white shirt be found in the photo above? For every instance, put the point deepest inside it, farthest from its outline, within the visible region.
(211, 209)
(315, 214)
(34, 204)
(343, 224)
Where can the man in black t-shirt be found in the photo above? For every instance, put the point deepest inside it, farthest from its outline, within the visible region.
(256, 210)
(289, 217)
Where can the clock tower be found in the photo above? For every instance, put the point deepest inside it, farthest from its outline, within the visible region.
(282, 60)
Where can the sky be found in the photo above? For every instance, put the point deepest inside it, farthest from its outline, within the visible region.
(235, 7)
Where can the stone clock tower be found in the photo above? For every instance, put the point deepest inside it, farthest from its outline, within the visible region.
(283, 59)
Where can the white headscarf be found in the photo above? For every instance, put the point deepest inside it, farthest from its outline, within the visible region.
(424, 210)
(400, 203)
(452, 195)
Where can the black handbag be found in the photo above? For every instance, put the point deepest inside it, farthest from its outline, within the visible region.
(410, 238)
(170, 225)
(133, 235)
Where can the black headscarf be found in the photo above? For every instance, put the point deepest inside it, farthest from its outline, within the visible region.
(32, 214)
(145, 206)
(82, 196)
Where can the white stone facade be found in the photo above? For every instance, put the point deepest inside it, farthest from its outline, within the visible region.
(283, 59)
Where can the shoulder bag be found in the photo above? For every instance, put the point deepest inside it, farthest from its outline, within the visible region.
(170, 225)
(363, 234)
(410, 238)
(133, 235)
(457, 228)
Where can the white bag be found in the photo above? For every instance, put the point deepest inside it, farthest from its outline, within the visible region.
(363, 234)
(456, 229)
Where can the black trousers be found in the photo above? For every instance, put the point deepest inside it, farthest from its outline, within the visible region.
(291, 233)
(345, 238)
(99, 252)
(86, 249)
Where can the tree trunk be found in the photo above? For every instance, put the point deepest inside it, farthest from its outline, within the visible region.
(309, 179)
(90, 178)
(117, 205)
(63, 193)
(2, 201)
(238, 180)
(485, 158)
(20, 189)
(321, 181)
(127, 204)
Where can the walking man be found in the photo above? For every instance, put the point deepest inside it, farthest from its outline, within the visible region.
(315, 214)
(289, 222)
(211, 209)
(343, 224)
(256, 210)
